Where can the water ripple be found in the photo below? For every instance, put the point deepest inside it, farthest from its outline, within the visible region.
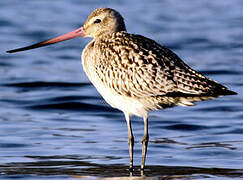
(41, 84)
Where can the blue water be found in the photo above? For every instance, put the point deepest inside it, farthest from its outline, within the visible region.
(54, 124)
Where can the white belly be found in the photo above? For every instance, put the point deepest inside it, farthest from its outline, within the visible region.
(128, 105)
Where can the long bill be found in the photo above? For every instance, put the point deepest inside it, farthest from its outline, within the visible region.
(74, 34)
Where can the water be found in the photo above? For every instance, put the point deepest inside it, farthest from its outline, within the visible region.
(54, 124)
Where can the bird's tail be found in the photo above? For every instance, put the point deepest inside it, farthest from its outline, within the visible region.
(226, 93)
(221, 90)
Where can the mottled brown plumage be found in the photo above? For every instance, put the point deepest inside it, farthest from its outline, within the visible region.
(138, 67)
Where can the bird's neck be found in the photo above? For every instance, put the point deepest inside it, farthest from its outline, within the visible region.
(107, 34)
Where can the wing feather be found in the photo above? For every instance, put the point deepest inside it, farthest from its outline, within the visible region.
(136, 66)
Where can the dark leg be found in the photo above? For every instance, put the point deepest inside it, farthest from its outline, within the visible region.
(144, 142)
(130, 141)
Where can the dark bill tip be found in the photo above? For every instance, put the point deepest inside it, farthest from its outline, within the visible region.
(74, 34)
(37, 45)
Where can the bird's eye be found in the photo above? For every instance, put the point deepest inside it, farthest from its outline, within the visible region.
(97, 21)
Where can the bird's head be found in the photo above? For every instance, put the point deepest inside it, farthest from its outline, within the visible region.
(103, 21)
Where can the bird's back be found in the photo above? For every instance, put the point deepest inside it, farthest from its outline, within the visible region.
(137, 67)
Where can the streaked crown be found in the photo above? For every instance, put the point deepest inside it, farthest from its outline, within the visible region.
(102, 21)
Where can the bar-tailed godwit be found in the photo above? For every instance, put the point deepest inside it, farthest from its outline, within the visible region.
(135, 74)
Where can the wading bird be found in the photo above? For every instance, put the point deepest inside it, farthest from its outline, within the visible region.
(135, 74)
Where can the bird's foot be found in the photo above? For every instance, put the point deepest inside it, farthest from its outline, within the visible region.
(142, 171)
